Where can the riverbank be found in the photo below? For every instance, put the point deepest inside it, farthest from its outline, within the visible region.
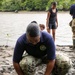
(6, 54)
(30, 12)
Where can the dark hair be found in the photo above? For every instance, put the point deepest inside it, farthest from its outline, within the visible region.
(33, 30)
(42, 25)
(33, 22)
(54, 3)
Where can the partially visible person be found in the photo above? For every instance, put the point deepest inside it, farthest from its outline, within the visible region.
(72, 11)
(72, 23)
(34, 22)
(52, 21)
(37, 44)
(42, 27)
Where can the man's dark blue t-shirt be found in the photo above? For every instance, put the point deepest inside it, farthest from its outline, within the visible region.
(72, 10)
(46, 46)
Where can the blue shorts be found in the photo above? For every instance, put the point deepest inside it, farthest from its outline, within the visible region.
(52, 26)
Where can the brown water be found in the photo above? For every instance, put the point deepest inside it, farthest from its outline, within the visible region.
(14, 24)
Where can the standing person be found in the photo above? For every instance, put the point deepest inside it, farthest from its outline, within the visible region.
(37, 44)
(51, 21)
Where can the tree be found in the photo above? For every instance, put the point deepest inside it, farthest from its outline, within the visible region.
(1, 3)
(32, 5)
(49, 4)
(40, 4)
(28, 5)
(11, 5)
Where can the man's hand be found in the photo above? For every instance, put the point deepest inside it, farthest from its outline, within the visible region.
(48, 30)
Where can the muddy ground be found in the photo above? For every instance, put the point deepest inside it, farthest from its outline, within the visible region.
(6, 54)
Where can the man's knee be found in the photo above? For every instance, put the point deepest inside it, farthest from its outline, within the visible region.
(27, 64)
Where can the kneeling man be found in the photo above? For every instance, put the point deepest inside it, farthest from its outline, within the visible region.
(37, 44)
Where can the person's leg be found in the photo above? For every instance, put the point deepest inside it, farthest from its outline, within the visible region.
(28, 64)
(53, 30)
(53, 33)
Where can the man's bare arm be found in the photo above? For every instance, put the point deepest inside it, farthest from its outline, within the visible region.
(50, 67)
(17, 68)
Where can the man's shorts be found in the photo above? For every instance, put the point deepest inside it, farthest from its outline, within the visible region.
(52, 26)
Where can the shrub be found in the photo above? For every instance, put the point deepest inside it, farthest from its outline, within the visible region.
(32, 5)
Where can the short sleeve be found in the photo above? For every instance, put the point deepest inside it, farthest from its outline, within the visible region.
(51, 52)
(50, 10)
(18, 52)
(71, 10)
(56, 10)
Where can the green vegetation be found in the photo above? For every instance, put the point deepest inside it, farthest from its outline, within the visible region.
(33, 5)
